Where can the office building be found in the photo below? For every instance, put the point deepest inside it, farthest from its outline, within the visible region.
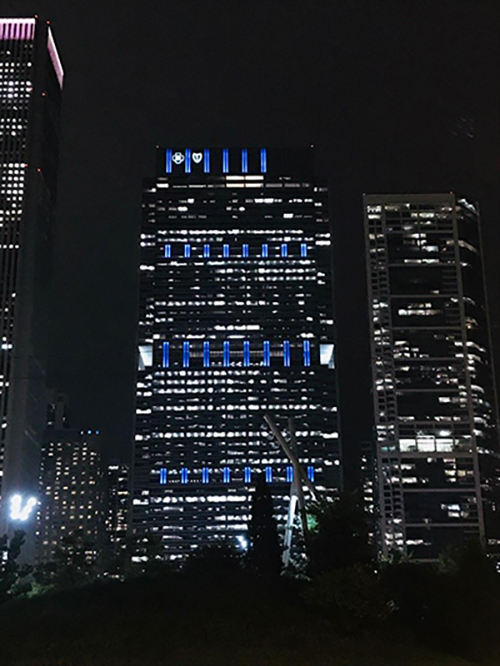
(71, 487)
(433, 384)
(31, 79)
(235, 322)
(117, 506)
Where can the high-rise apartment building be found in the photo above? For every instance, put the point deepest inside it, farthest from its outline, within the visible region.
(71, 497)
(235, 322)
(31, 79)
(433, 385)
(117, 506)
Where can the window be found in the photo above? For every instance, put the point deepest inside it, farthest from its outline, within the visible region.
(246, 353)
(225, 250)
(269, 474)
(206, 354)
(307, 352)
(187, 250)
(168, 251)
(286, 353)
(166, 354)
(205, 475)
(284, 250)
(226, 475)
(267, 353)
(247, 474)
(206, 250)
(163, 476)
(245, 250)
(184, 475)
(303, 250)
(265, 250)
(226, 353)
(185, 354)
(289, 474)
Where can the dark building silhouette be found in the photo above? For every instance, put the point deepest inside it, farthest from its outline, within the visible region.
(31, 79)
(433, 385)
(235, 322)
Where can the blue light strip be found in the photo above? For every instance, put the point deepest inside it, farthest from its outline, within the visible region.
(187, 160)
(307, 352)
(206, 250)
(267, 353)
(168, 251)
(226, 475)
(225, 250)
(206, 354)
(269, 474)
(184, 475)
(187, 250)
(166, 354)
(284, 250)
(206, 161)
(245, 250)
(265, 250)
(286, 354)
(246, 353)
(168, 160)
(225, 161)
(263, 160)
(303, 249)
(205, 475)
(310, 473)
(226, 354)
(163, 476)
(185, 354)
(247, 474)
(244, 161)
(289, 474)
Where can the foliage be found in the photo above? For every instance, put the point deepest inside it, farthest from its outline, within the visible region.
(73, 564)
(264, 550)
(214, 561)
(12, 574)
(339, 538)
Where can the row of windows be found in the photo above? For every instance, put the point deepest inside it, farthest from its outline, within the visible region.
(226, 353)
(187, 250)
(224, 475)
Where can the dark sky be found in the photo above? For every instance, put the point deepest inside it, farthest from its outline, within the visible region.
(397, 96)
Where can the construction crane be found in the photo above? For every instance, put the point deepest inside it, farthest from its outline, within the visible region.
(300, 479)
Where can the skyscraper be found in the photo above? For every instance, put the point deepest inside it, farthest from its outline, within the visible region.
(434, 395)
(31, 79)
(235, 322)
(71, 498)
(117, 506)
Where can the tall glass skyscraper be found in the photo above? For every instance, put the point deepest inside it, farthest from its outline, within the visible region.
(31, 79)
(434, 395)
(235, 322)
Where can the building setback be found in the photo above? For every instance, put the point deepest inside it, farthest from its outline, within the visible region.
(235, 322)
(31, 79)
(433, 385)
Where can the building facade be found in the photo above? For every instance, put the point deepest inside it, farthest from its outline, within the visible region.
(117, 507)
(235, 322)
(71, 493)
(433, 385)
(31, 79)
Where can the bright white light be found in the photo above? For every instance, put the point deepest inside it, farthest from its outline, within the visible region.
(242, 542)
(18, 511)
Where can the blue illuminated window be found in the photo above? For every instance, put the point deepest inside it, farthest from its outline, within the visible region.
(168, 160)
(206, 250)
(247, 474)
(310, 473)
(244, 161)
(286, 353)
(185, 354)
(289, 474)
(187, 161)
(269, 474)
(303, 249)
(225, 353)
(226, 475)
(267, 353)
(225, 250)
(265, 250)
(246, 353)
(205, 475)
(206, 161)
(245, 250)
(187, 250)
(168, 251)
(166, 354)
(307, 352)
(225, 161)
(184, 475)
(206, 354)
(263, 160)
(284, 250)
(163, 476)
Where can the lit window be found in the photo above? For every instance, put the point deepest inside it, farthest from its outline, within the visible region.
(269, 474)
(226, 353)
(225, 161)
(246, 353)
(185, 354)
(307, 352)
(187, 250)
(310, 473)
(166, 354)
(226, 475)
(244, 160)
(245, 250)
(303, 250)
(267, 353)
(184, 475)
(206, 250)
(205, 475)
(168, 251)
(286, 353)
(284, 250)
(289, 474)
(206, 354)
(163, 476)
(263, 160)
(265, 250)
(225, 250)
(247, 474)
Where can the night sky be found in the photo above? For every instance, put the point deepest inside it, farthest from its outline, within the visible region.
(396, 96)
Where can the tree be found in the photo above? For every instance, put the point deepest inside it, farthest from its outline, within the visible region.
(264, 551)
(12, 573)
(339, 535)
(73, 564)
